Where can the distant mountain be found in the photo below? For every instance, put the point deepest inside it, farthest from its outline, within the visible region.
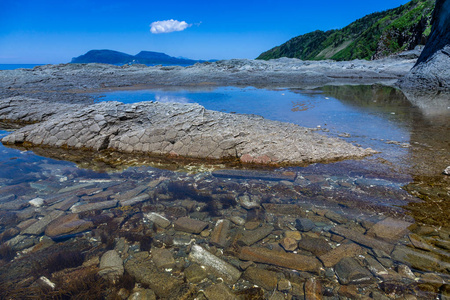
(374, 36)
(143, 57)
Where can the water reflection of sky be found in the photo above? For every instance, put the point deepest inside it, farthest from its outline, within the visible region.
(367, 126)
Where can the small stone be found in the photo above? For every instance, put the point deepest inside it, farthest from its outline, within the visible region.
(39, 227)
(284, 285)
(335, 217)
(418, 242)
(68, 224)
(349, 271)
(362, 239)
(214, 264)
(145, 272)
(248, 203)
(249, 237)
(273, 257)
(143, 294)
(389, 229)
(313, 289)
(289, 244)
(284, 209)
(293, 234)
(237, 220)
(219, 292)
(20, 242)
(375, 267)
(317, 246)
(417, 259)
(205, 233)
(263, 278)
(447, 171)
(195, 273)
(111, 265)
(93, 206)
(36, 202)
(304, 224)
(252, 225)
(331, 258)
(406, 272)
(158, 219)
(190, 225)
(163, 258)
(220, 233)
(45, 283)
(135, 200)
(245, 264)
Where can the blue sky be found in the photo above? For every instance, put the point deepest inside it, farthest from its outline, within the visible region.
(54, 31)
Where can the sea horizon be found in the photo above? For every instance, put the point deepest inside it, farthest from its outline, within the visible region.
(18, 66)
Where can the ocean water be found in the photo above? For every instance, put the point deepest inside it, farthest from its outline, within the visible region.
(18, 66)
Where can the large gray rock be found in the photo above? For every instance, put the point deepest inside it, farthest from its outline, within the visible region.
(432, 70)
(186, 130)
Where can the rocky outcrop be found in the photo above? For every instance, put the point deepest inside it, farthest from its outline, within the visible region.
(185, 130)
(69, 82)
(432, 70)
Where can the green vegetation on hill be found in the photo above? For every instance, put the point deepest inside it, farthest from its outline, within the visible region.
(374, 36)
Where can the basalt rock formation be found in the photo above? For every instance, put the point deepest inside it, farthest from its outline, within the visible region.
(432, 70)
(184, 130)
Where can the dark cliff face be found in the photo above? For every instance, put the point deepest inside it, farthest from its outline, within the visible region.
(432, 70)
(440, 32)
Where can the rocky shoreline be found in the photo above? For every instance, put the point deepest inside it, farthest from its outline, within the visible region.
(173, 129)
(66, 82)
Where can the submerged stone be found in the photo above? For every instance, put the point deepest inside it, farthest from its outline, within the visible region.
(111, 265)
(349, 271)
(145, 272)
(68, 224)
(288, 260)
(389, 229)
(189, 225)
(263, 278)
(214, 264)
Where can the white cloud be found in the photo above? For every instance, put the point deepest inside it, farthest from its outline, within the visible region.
(168, 26)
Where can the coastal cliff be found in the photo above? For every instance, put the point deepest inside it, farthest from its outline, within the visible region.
(432, 68)
(374, 36)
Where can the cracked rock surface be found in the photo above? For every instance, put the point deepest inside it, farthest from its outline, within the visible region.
(186, 130)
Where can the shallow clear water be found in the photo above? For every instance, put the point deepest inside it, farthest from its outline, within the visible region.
(370, 124)
(356, 194)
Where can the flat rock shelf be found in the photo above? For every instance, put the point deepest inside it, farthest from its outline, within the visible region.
(175, 129)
